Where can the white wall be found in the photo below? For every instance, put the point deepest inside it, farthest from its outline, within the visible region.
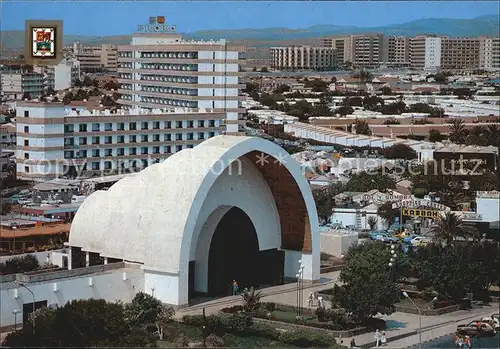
(54, 257)
(489, 208)
(337, 244)
(347, 216)
(432, 53)
(109, 286)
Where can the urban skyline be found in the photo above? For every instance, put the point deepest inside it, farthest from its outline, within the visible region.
(112, 18)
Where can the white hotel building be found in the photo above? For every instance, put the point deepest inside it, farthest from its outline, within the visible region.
(175, 94)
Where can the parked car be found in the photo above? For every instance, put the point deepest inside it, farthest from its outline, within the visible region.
(420, 241)
(477, 328)
(386, 238)
(375, 233)
(408, 239)
(493, 321)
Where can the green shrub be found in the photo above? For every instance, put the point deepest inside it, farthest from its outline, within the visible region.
(238, 322)
(320, 314)
(306, 339)
(269, 306)
(19, 265)
(213, 324)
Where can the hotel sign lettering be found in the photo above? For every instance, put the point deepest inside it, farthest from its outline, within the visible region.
(421, 213)
(420, 203)
(156, 25)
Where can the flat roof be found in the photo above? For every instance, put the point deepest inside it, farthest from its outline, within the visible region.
(36, 231)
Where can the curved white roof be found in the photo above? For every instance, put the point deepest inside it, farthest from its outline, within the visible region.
(149, 218)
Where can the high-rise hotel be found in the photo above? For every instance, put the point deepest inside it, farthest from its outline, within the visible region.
(174, 95)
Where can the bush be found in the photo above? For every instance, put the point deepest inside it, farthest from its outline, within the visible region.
(238, 321)
(305, 339)
(269, 306)
(320, 314)
(19, 265)
(214, 341)
(213, 323)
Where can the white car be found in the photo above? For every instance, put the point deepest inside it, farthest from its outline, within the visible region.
(420, 240)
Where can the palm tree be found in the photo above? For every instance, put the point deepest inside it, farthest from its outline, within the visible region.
(457, 131)
(477, 135)
(251, 300)
(372, 222)
(493, 135)
(448, 227)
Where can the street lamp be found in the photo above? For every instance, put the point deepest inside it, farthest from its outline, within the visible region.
(392, 260)
(300, 287)
(15, 312)
(33, 303)
(419, 320)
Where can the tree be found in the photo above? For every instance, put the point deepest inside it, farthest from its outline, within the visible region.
(387, 213)
(435, 136)
(362, 127)
(366, 181)
(281, 88)
(50, 91)
(487, 181)
(399, 151)
(344, 110)
(254, 69)
(458, 133)
(80, 95)
(372, 222)
(386, 90)
(111, 85)
(81, 323)
(317, 85)
(264, 70)
(448, 227)
(324, 204)
(68, 97)
(164, 317)
(77, 83)
(87, 81)
(368, 287)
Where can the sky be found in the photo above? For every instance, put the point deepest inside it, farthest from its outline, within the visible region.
(120, 17)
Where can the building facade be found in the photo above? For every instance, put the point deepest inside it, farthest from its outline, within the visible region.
(163, 71)
(425, 52)
(362, 50)
(460, 53)
(14, 85)
(342, 46)
(489, 53)
(62, 75)
(54, 141)
(94, 58)
(302, 57)
(398, 50)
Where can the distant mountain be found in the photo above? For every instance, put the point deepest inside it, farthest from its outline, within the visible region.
(483, 25)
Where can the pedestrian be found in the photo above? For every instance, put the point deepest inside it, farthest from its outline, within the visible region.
(310, 299)
(353, 343)
(235, 288)
(383, 339)
(467, 343)
(377, 338)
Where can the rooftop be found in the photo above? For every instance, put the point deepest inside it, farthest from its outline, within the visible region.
(36, 231)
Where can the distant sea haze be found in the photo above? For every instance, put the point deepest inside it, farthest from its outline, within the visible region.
(487, 25)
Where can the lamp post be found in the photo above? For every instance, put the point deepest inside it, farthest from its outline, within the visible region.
(298, 295)
(15, 312)
(300, 280)
(419, 320)
(33, 303)
(392, 261)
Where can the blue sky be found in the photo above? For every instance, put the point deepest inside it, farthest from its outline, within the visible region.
(122, 17)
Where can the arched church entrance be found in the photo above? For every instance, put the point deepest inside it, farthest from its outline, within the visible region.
(234, 255)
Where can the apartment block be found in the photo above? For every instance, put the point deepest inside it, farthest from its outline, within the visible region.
(489, 53)
(362, 50)
(93, 58)
(460, 53)
(62, 75)
(14, 84)
(425, 52)
(302, 57)
(163, 71)
(398, 49)
(53, 140)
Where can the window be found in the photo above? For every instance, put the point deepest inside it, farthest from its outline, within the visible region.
(144, 125)
(120, 151)
(156, 150)
(96, 166)
(144, 150)
(108, 152)
(26, 155)
(26, 129)
(178, 148)
(190, 124)
(213, 55)
(95, 127)
(96, 153)
(108, 127)
(156, 138)
(96, 140)
(167, 137)
(178, 124)
(132, 126)
(189, 136)
(178, 136)
(108, 140)
(201, 123)
(211, 134)
(120, 139)
(132, 139)
(156, 125)
(26, 169)
(211, 123)
(107, 165)
(69, 128)
(144, 138)
(167, 149)
(132, 151)
(82, 127)
(26, 113)
(82, 140)
(201, 135)
(168, 124)
(189, 146)
(120, 126)
(69, 154)
(26, 143)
